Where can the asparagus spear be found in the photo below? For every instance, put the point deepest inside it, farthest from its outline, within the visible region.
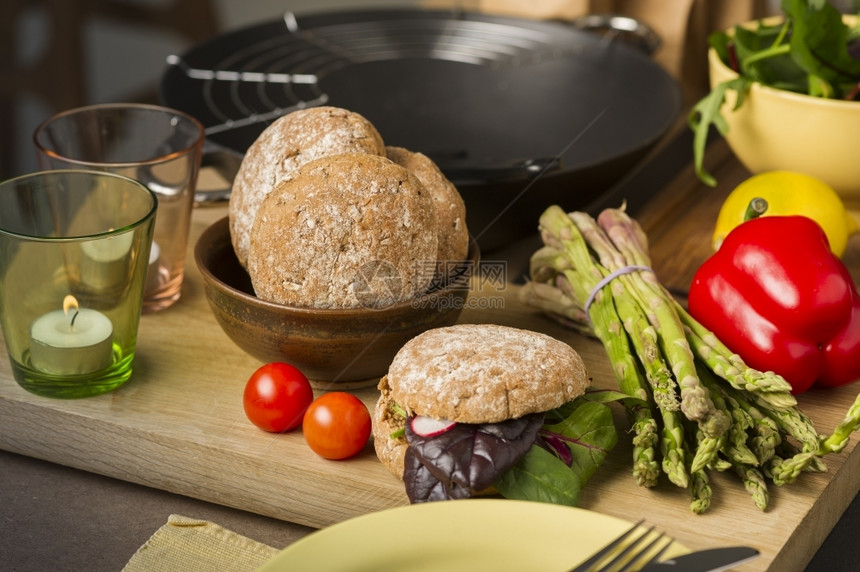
(766, 434)
(755, 484)
(644, 341)
(700, 491)
(837, 441)
(709, 447)
(631, 382)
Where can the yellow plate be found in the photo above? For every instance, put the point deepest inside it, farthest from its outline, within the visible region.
(474, 534)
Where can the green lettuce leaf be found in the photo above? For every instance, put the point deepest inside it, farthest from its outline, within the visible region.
(706, 113)
(819, 45)
(588, 431)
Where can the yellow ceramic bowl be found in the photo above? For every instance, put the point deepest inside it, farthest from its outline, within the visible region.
(781, 130)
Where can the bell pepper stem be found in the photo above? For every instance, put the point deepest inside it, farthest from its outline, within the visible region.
(756, 208)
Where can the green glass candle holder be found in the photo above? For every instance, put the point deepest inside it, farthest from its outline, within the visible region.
(74, 251)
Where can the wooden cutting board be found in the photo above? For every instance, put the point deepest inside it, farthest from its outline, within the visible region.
(178, 425)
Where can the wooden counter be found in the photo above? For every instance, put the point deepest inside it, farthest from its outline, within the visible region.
(178, 425)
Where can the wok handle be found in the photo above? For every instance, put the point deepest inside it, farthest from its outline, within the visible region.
(514, 172)
(633, 31)
(226, 164)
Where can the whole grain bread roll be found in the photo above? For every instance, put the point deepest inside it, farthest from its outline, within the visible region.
(473, 373)
(344, 231)
(285, 145)
(450, 208)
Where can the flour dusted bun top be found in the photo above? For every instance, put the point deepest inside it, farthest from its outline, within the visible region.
(484, 373)
(288, 143)
(344, 231)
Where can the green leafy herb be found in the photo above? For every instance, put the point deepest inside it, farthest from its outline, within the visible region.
(585, 428)
(541, 477)
(809, 52)
(707, 113)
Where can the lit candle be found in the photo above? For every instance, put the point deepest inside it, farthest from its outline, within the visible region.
(105, 263)
(71, 341)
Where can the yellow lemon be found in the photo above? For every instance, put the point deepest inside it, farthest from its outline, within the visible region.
(788, 193)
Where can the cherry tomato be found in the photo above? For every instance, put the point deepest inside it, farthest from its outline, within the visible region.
(276, 397)
(336, 425)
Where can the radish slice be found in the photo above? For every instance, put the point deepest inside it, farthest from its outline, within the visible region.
(430, 427)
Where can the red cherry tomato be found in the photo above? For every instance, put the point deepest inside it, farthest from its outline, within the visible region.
(276, 397)
(336, 425)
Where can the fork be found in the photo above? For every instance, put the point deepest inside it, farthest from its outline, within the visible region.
(635, 555)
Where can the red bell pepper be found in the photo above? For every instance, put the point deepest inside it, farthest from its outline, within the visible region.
(842, 364)
(776, 295)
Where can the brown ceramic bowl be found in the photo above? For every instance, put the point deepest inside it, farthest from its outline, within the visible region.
(334, 348)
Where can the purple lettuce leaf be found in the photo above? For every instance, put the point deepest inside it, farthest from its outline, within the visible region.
(468, 458)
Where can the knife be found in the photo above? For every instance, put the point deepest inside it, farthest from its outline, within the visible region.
(711, 560)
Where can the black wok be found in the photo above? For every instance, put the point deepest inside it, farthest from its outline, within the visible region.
(520, 114)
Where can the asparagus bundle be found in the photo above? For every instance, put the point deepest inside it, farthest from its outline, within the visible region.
(694, 405)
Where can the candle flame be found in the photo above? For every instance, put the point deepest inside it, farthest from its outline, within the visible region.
(69, 303)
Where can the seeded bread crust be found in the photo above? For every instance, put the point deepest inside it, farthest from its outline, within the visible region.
(338, 219)
(285, 145)
(450, 208)
(484, 373)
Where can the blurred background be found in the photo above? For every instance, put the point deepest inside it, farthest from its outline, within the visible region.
(60, 54)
